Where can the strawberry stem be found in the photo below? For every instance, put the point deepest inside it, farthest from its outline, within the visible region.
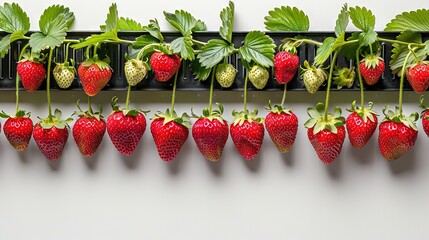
(401, 86)
(328, 90)
(245, 94)
(48, 85)
(211, 90)
(173, 97)
(284, 95)
(67, 53)
(17, 78)
(360, 78)
(89, 105)
(127, 101)
(400, 42)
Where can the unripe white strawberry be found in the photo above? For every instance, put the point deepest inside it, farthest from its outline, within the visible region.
(258, 75)
(64, 75)
(225, 74)
(135, 71)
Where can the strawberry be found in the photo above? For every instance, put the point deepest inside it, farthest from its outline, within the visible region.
(64, 74)
(258, 75)
(18, 129)
(313, 77)
(164, 65)
(135, 71)
(94, 74)
(371, 68)
(88, 131)
(397, 134)
(425, 116)
(32, 73)
(247, 133)
(51, 135)
(285, 66)
(125, 128)
(344, 77)
(169, 132)
(418, 76)
(282, 126)
(210, 133)
(361, 125)
(326, 134)
(225, 74)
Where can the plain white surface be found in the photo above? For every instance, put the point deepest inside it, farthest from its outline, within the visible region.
(291, 196)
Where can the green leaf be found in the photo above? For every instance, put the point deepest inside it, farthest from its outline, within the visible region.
(183, 47)
(95, 38)
(111, 19)
(184, 22)
(127, 24)
(13, 18)
(201, 73)
(215, 51)
(227, 17)
(154, 30)
(258, 48)
(367, 38)
(412, 21)
(4, 45)
(400, 51)
(362, 18)
(16, 36)
(324, 51)
(349, 50)
(144, 40)
(342, 21)
(287, 19)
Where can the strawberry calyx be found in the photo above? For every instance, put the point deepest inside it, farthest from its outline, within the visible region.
(344, 77)
(102, 64)
(365, 113)
(398, 117)
(278, 108)
(288, 45)
(36, 57)
(318, 121)
(241, 117)
(89, 113)
(55, 121)
(127, 112)
(317, 70)
(214, 114)
(170, 116)
(19, 113)
(372, 60)
(423, 107)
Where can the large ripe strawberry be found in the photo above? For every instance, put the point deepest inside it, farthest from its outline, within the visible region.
(285, 66)
(64, 74)
(88, 131)
(164, 65)
(425, 116)
(51, 134)
(247, 133)
(135, 71)
(18, 129)
(32, 73)
(225, 74)
(371, 68)
(418, 76)
(94, 74)
(313, 77)
(326, 135)
(361, 125)
(397, 134)
(169, 132)
(210, 133)
(258, 76)
(125, 128)
(282, 126)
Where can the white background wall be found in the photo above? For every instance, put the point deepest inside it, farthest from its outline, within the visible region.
(291, 196)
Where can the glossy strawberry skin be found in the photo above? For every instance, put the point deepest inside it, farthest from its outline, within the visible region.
(125, 131)
(395, 139)
(248, 138)
(51, 141)
(358, 130)
(371, 75)
(282, 128)
(418, 76)
(285, 66)
(327, 145)
(210, 137)
(93, 78)
(18, 131)
(169, 138)
(164, 65)
(32, 74)
(88, 133)
(425, 122)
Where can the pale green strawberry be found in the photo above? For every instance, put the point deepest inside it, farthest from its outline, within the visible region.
(135, 71)
(258, 75)
(64, 74)
(225, 74)
(313, 77)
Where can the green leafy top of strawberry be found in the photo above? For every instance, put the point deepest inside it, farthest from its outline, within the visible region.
(317, 119)
(372, 60)
(214, 114)
(169, 116)
(89, 113)
(422, 106)
(398, 117)
(241, 117)
(308, 67)
(278, 108)
(126, 111)
(102, 64)
(55, 121)
(36, 57)
(365, 113)
(19, 113)
(344, 77)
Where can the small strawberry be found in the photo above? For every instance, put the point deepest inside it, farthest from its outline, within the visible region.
(51, 135)
(361, 125)
(344, 77)
(18, 129)
(326, 134)
(164, 65)
(285, 66)
(418, 76)
(210, 133)
(282, 126)
(125, 128)
(258, 75)
(313, 77)
(88, 131)
(397, 134)
(31, 71)
(371, 68)
(135, 71)
(247, 133)
(425, 116)
(225, 74)
(64, 74)
(94, 74)
(169, 132)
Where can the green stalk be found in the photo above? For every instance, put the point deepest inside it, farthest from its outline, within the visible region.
(17, 78)
(139, 55)
(362, 102)
(400, 42)
(48, 85)
(67, 53)
(173, 97)
(334, 59)
(89, 105)
(401, 86)
(284, 95)
(211, 90)
(127, 101)
(245, 94)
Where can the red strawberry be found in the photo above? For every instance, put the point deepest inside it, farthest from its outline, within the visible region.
(425, 116)
(164, 65)
(326, 135)
(371, 68)
(210, 133)
(285, 66)
(88, 131)
(397, 134)
(418, 76)
(51, 135)
(169, 132)
(361, 125)
(125, 128)
(94, 75)
(247, 133)
(282, 126)
(32, 74)
(18, 129)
